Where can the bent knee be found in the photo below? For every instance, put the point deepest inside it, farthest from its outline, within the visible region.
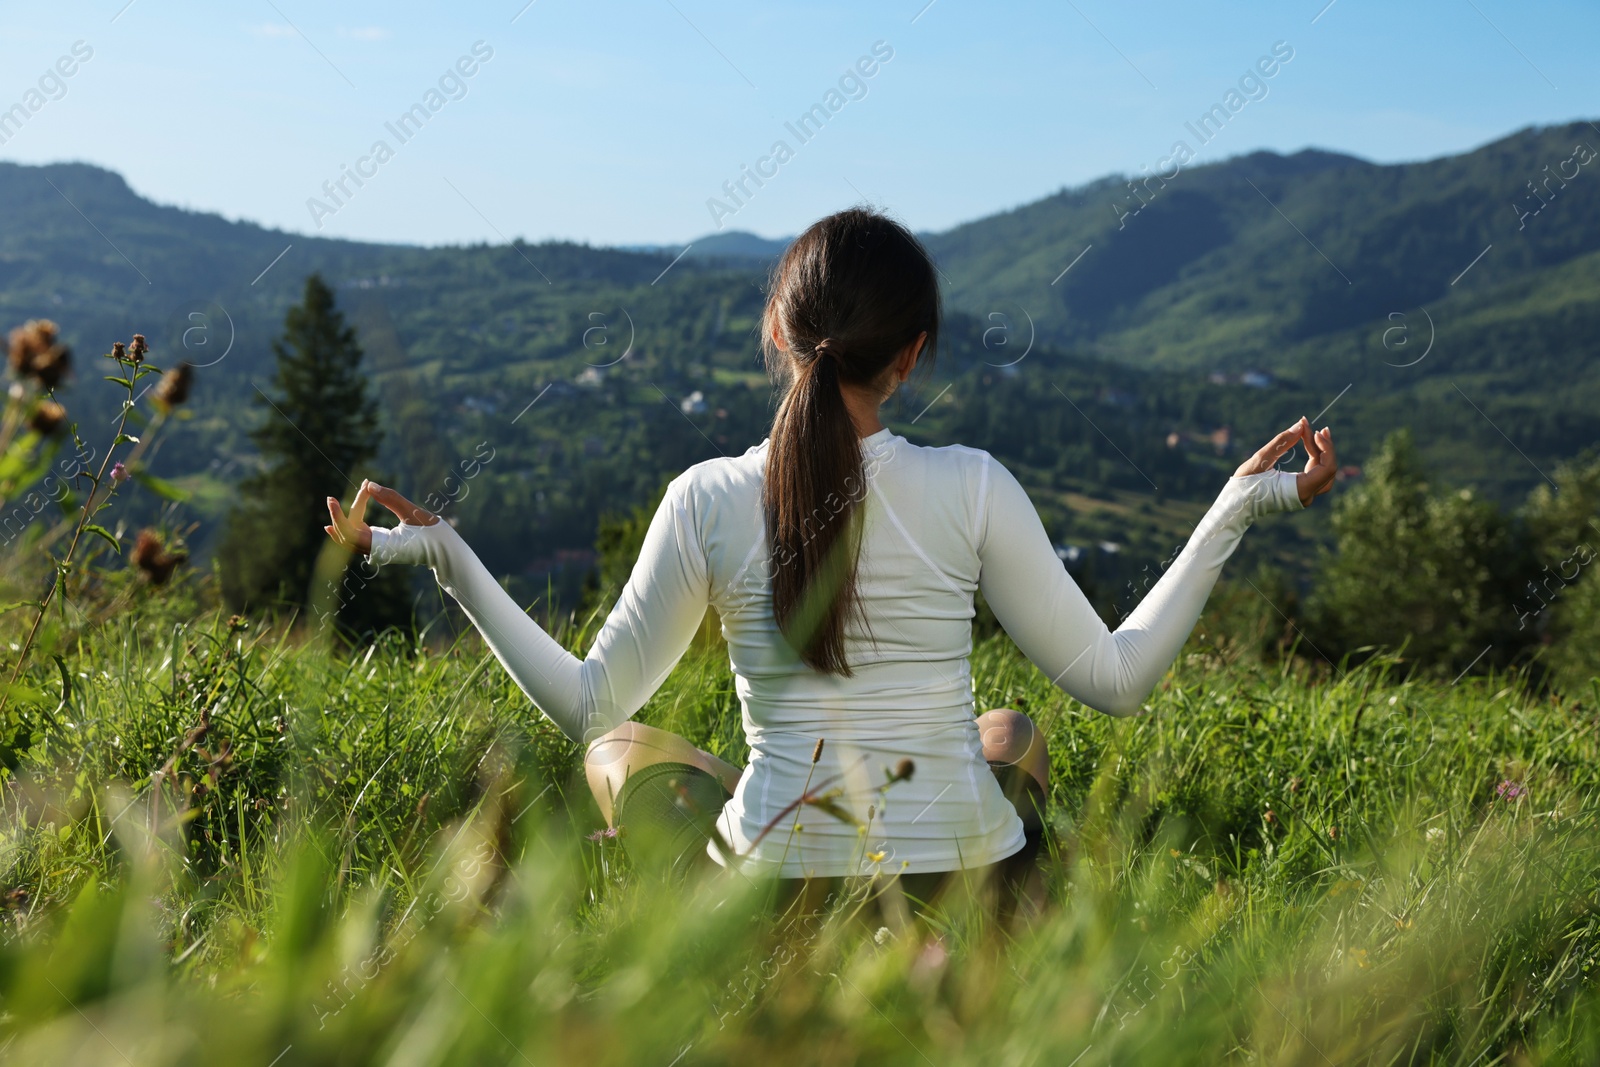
(1010, 738)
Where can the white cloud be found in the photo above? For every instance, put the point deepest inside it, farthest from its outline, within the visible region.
(365, 33)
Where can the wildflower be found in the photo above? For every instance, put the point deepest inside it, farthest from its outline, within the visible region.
(877, 857)
(1333, 833)
(47, 418)
(882, 936)
(1270, 816)
(903, 771)
(604, 835)
(36, 353)
(1294, 785)
(173, 388)
(1509, 790)
(138, 348)
(153, 559)
(1360, 957)
(1435, 833)
(119, 473)
(119, 352)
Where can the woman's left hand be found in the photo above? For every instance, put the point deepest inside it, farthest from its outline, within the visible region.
(1321, 464)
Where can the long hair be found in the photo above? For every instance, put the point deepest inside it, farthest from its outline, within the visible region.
(852, 293)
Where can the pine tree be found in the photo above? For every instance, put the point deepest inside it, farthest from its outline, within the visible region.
(319, 429)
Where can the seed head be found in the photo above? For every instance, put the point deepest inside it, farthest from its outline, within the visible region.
(37, 353)
(47, 418)
(903, 771)
(173, 388)
(119, 351)
(153, 559)
(138, 348)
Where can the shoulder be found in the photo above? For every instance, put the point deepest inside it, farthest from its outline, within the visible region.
(720, 486)
(971, 466)
(725, 473)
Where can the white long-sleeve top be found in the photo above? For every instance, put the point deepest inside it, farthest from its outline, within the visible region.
(939, 525)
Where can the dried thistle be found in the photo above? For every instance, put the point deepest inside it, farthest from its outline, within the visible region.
(153, 559)
(47, 418)
(138, 348)
(37, 353)
(119, 352)
(173, 388)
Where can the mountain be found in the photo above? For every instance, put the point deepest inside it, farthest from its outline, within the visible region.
(1115, 346)
(1456, 295)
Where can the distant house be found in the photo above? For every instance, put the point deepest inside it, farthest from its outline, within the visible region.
(1256, 379)
(591, 377)
(693, 404)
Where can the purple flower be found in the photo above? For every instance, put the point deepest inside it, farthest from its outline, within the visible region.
(1509, 790)
(601, 835)
(118, 472)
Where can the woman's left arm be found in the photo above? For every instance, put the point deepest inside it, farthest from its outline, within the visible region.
(1055, 626)
(641, 641)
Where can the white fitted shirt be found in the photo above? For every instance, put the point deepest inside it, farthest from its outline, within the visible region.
(939, 524)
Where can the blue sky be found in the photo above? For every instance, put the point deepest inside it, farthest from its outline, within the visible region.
(616, 122)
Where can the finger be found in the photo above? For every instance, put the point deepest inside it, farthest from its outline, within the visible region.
(1275, 448)
(336, 512)
(393, 501)
(403, 509)
(358, 506)
(1313, 449)
(1329, 457)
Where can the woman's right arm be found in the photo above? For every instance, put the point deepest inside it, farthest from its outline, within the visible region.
(1053, 623)
(645, 635)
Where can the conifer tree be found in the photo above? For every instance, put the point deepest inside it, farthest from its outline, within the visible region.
(318, 432)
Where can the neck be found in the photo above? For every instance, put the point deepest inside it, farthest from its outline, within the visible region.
(863, 407)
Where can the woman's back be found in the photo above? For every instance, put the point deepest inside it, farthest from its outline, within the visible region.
(909, 694)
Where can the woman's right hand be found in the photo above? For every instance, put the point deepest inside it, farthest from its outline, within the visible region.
(352, 531)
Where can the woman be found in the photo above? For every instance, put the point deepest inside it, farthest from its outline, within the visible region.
(843, 561)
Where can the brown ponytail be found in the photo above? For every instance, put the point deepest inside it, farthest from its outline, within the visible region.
(849, 296)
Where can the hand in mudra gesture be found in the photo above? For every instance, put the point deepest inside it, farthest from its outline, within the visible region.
(352, 530)
(1321, 464)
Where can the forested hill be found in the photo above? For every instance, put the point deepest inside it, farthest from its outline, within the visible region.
(1444, 294)
(1334, 272)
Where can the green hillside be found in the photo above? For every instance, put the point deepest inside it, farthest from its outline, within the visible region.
(635, 365)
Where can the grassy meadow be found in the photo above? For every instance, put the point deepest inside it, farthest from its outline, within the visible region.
(235, 843)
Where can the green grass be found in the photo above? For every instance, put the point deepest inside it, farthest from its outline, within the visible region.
(382, 857)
